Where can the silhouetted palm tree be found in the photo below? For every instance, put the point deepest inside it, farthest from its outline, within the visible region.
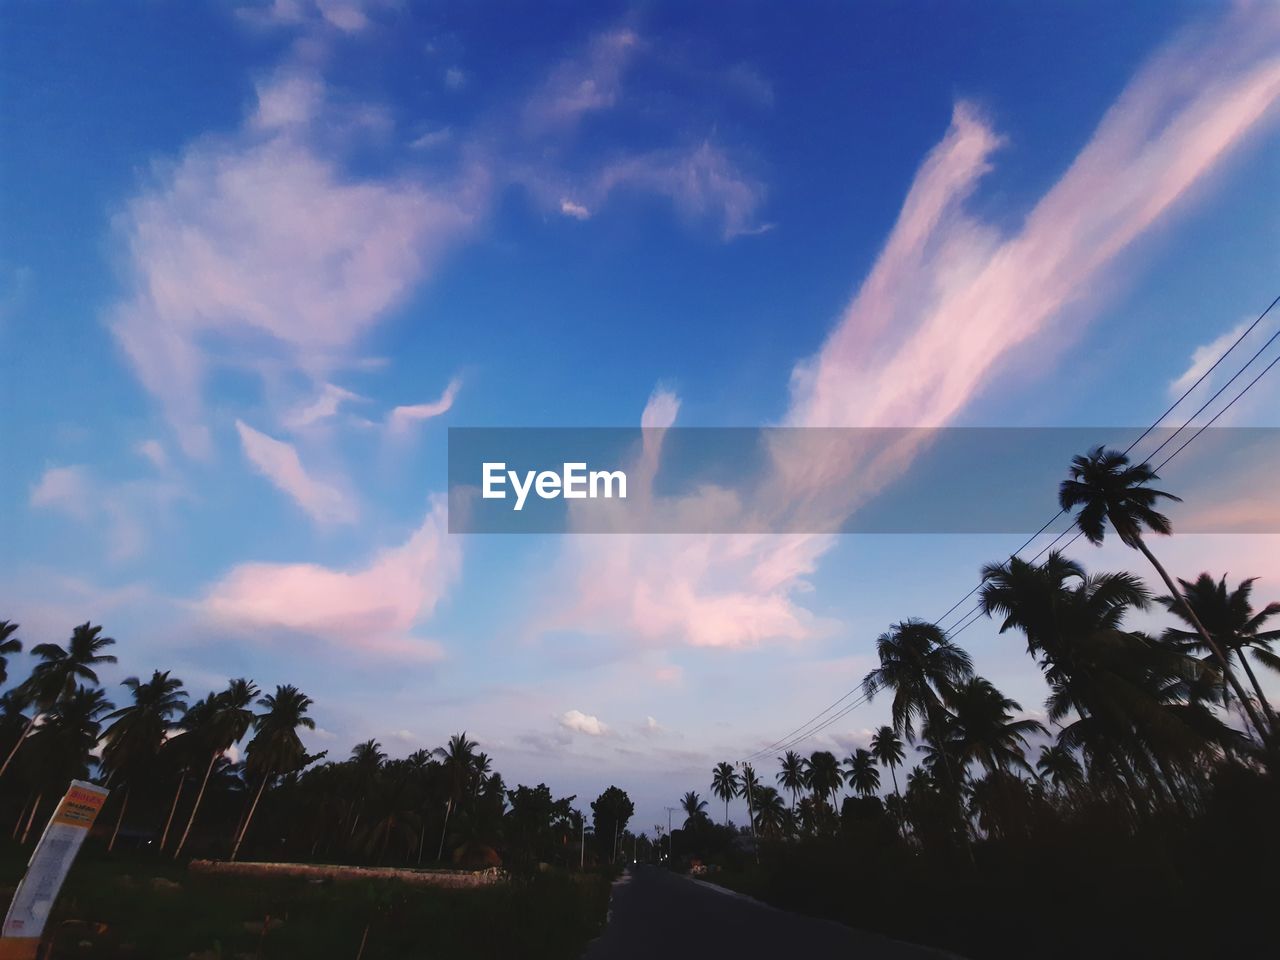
(792, 775)
(1229, 617)
(1107, 488)
(921, 666)
(887, 749)
(275, 747)
(59, 672)
(61, 746)
(822, 775)
(862, 775)
(725, 784)
(1060, 766)
(694, 807)
(217, 727)
(132, 742)
(983, 729)
(772, 819)
(9, 645)
(457, 760)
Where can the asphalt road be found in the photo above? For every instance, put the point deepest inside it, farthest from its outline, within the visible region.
(657, 915)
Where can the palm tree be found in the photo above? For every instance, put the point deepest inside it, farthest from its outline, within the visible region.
(457, 762)
(1106, 488)
(694, 807)
(9, 644)
(366, 759)
(59, 672)
(921, 666)
(822, 774)
(984, 731)
(887, 749)
(862, 775)
(750, 786)
(725, 785)
(133, 740)
(792, 775)
(771, 812)
(275, 747)
(1060, 766)
(1229, 617)
(218, 727)
(62, 744)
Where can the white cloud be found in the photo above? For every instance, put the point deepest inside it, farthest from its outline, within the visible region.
(279, 462)
(259, 249)
(374, 608)
(575, 210)
(584, 84)
(401, 418)
(580, 722)
(322, 407)
(64, 488)
(454, 78)
(153, 450)
(1204, 357)
(432, 139)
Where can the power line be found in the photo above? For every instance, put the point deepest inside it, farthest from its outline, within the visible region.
(967, 620)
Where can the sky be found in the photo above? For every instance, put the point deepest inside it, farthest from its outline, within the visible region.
(256, 259)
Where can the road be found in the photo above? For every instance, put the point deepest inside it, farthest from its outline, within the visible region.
(657, 914)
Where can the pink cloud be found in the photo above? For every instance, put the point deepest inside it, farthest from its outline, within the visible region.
(260, 242)
(948, 299)
(401, 418)
(64, 488)
(279, 462)
(582, 84)
(373, 608)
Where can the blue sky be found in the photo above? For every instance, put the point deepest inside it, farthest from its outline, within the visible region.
(255, 260)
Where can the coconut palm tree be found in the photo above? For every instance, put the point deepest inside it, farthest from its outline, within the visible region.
(791, 776)
(1060, 767)
(921, 666)
(725, 785)
(862, 775)
(1229, 617)
(822, 775)
(887, 749)
(217, 726)
(132, 741)
(772, 818)
(457, 760)
(1107, 488)
(9, 645)
(695, 809)
(750, 787)
(983, 729)
(275, 747)
(61, 745)
(59, 672)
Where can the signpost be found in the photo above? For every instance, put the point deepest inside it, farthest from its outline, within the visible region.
(53, 856)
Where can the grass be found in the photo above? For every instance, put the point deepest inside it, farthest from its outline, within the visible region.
(155, 910)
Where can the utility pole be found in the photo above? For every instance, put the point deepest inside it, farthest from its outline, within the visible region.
(670, 838)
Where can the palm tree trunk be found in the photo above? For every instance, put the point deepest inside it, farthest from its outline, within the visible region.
(34, 807)
(173, 808)
(235, 851)
(196, 808)
(447, 810)
(124, 805)
(893, 772)
(1245, 701)
(1262, 698)
(25, 730)
(22, 815)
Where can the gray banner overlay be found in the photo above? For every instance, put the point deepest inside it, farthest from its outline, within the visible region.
(777, 480)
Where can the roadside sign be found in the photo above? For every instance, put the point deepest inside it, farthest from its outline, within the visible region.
(47, 868)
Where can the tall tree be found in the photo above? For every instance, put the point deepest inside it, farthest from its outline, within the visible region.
(1107, 488)
(217, 728)
(822, 775)
(984, 731)
(1229, 617)
(791, 776)
(132, 742)
(61, 746)
(9, 645)
(887, 749)
(695, 809)
(276, 747)
(59, 672)
(862, 775)
(725, 784)
(457, 762)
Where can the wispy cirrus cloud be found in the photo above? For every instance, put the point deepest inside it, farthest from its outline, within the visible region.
(582, 85)
(403, 417)
(259, 247)
(947, 301)
(279, 462)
